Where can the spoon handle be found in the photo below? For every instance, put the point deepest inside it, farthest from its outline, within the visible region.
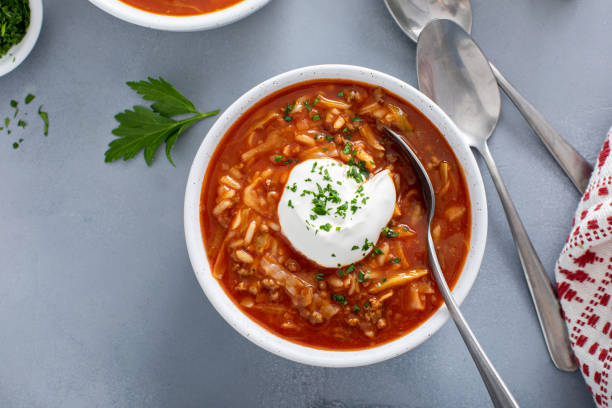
(498, 391)
(543, 295)
(574, 165)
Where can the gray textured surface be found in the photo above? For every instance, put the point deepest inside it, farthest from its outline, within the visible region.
(98, 303)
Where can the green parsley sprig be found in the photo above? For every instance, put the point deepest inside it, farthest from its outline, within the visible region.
(147, 128)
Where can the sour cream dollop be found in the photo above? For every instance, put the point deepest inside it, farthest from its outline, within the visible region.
(332, 214)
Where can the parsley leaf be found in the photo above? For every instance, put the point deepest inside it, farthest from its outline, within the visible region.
(168, 101)
(147, 128)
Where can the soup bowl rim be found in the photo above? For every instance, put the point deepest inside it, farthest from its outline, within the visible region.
(199, 22)
(258, 334)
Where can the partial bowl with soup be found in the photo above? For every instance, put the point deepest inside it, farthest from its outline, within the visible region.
(306, 227)
(186, 15)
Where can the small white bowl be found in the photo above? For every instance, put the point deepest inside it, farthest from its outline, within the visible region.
(248, 327)
(198, 22)
(19, 52)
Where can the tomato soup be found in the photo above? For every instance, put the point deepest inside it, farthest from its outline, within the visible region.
(390, 290)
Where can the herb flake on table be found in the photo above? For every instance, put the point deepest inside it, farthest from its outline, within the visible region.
(147, 128)
(45, 118)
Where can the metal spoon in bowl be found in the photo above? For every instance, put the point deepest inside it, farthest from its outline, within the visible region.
(456, 75)
(413, 15)
(499, 392)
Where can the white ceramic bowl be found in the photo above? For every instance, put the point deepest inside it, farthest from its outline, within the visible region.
(249, 328)
(180, 23)
(19, 52)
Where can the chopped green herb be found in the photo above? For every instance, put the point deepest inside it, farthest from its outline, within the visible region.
(22, 123)
(315, 101)
(367, 304)
(389, 233)
(341, 94)
(355, 247)
(278, 158)
(340, 273)
(395, 260)
(290, 204)
(316, 117)
(340, 299)
(333, 255)
(347, 148)
(14, 22)
(29, 98)
(326, 227)
(288, 118)
(319, 275)
(350, 268)
(357, 119)
(15, 145)
(356, 309)
(361, 277)
(288, 161)
(378, 251)
(289, 108)
(307, 105)
(293, 187)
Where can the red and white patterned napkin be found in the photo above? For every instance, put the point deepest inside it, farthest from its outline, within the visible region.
(584, 280)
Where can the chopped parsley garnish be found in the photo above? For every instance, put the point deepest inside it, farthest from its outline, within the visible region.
(355, 247)
(307, 105)
(340, 299)
(347, 148)
(29, 98)
(325, 227)
(389, 233)
(22, 123)
(290, 204)
(278, 158)
(289, 108)
(357, 119)
(316, 117)
(350, 268)
(341, 94)
(395, 260)
(378, 251)
(319, 275)
(340, 273)
(292, 188)
(366, 304)
(357, 171)
(362, 277)
(315, 101)
(356, 309)
(288, 161)
(329, 138)
(287, 118)
(333, 255)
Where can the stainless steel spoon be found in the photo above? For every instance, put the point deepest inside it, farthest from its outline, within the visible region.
(499, 392)
(456, 75)
(413, 15)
